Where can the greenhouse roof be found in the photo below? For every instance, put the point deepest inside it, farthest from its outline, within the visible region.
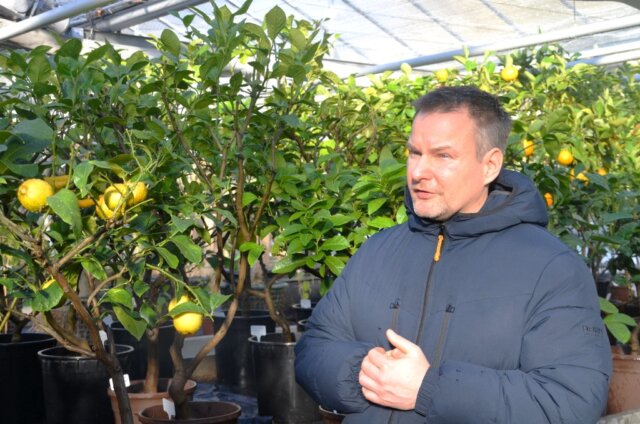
(370, 35)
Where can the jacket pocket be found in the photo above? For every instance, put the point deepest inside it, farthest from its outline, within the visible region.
(442, 337)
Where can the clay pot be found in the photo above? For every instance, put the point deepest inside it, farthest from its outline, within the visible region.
(203, 413)
(624, 387)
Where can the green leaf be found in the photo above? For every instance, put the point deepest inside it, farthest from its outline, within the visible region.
(248, 198)
(65, 204)
(286, 265)
(619, 331)
(170, 258)
(136, 327)
(375, 204)
(171, 42)
(191, 251)
(381, 222)
(334, 264)
(335, 244)
(93, 267)
(607, 307)
(119, 296)
(276, 21)
(254, 249)
(70, 48)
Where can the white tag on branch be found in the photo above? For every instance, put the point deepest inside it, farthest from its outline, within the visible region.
(103, 337)
(169, 407)
(127, 382)
(258, 331)
(305, 303)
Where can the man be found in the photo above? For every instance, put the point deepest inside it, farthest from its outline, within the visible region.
(471, 312)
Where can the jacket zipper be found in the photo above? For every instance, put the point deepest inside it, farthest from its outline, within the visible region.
(436, 258)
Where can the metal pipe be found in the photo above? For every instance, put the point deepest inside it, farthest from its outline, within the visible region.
(142, 13)
(531, 40)
(609, 59)
(50, 16)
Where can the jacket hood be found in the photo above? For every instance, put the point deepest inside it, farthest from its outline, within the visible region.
(513, 199)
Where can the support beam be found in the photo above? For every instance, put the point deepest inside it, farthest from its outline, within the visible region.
(573, 32)
(142, 13)
(49, 17)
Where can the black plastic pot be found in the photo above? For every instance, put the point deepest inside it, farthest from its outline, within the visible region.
(139, 357)
(21, 395)
(279, 396)
(299, 313)
(233, 355)
(75, 387)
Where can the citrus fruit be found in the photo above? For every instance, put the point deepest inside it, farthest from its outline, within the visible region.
(548, 197)
(442, 75)
(601, 171)
(509, 73)
(103, 210)
(565, 157)
(139, 191)
(528, 147)
(33, 193)
(187, 323)
(114, 195)
(85, 203)
(57, 182)
(583, 177)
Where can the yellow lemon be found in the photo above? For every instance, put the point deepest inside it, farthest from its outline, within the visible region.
(139, 193)
(103, 211)
(565, 157)
(57, 182)
(442, 75)
(528, 147)
(583, 177)
(601, 171)
(114, 195)
(85, 203)
(509, 73)
(548, 197)
(187, 323)
(33, 193)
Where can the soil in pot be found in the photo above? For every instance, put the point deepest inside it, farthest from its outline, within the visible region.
(203, 413)
(75, 387)
(21, 394)
(140, 400)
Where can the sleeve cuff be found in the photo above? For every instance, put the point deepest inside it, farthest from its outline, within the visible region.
(427, 390)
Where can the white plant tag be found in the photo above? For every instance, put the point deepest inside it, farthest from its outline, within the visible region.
(258, 331)
(103, 337)
(305, 303)
(278, 330)
(169, 407)
(127, 382)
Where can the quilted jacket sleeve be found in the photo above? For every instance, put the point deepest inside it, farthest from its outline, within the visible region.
(328, 357)
(565, 363)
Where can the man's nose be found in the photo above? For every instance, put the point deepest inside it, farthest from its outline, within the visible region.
(422, 169)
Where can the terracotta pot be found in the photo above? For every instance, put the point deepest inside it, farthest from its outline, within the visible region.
(203, 413)
(330, 417)
(140, 400)
(624, 387)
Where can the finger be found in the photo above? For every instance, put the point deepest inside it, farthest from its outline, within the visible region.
(377, 357)
(402, 344)
(366, 381)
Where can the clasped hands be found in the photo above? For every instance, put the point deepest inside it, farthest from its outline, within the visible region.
(393, 378)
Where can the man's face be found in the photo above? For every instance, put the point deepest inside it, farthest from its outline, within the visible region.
(444, 174)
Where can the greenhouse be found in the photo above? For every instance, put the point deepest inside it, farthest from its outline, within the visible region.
(313, 212)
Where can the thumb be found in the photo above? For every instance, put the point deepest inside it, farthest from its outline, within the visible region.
(399, 342)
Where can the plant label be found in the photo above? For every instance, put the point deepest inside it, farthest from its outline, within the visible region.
(305, 303)
(258, 331)
(169, 407)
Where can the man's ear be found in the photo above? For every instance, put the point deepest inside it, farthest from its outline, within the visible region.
(492, 163)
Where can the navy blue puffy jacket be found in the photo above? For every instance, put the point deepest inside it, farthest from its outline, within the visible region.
(508, 317)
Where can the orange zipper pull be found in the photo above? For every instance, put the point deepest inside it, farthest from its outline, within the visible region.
(436, 256)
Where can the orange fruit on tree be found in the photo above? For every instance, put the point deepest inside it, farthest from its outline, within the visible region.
(601, 171)
(565, 157)
(509, 73)
(33, 194)
(548, 197)
(528, 147)
(186, 323)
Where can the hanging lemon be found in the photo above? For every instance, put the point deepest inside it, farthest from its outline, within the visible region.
(188, 322)
(33, 194)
